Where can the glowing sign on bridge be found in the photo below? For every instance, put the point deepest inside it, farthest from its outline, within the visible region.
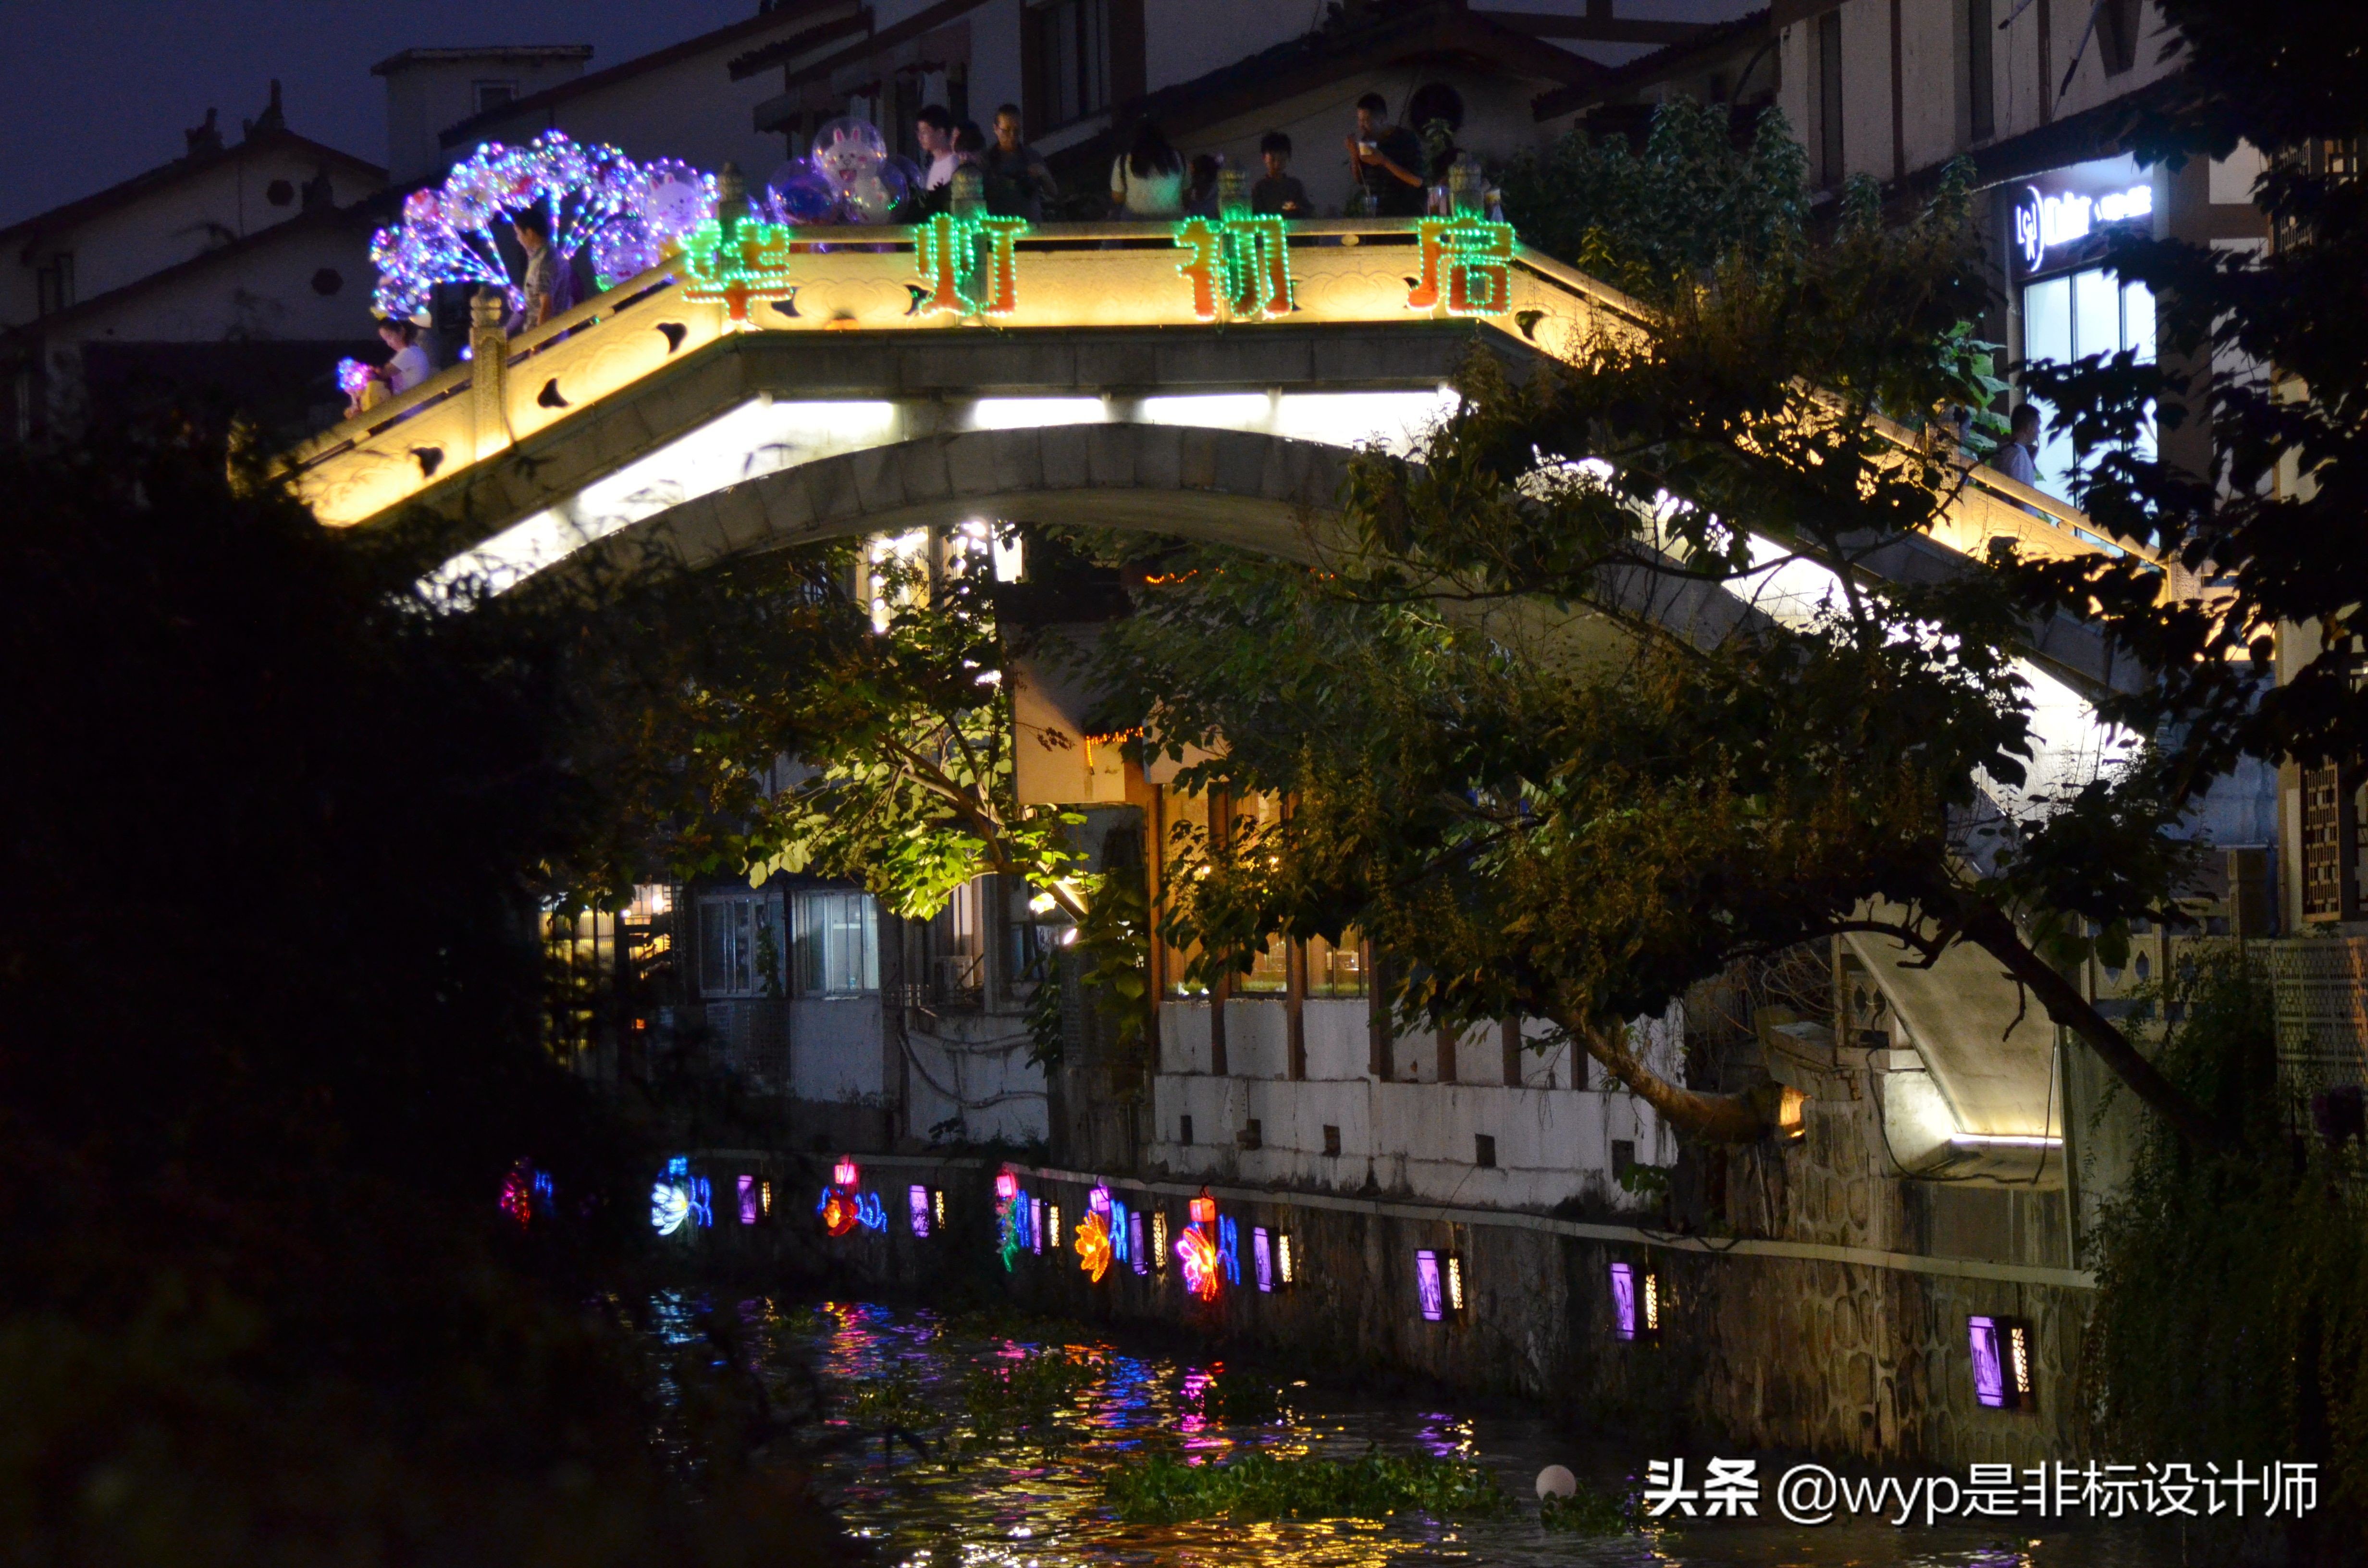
(1242, 260)
(1468, 262)
(753, 262)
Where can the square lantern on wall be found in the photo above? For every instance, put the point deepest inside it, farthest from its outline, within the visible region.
(916, 1201)
(1036, 1225)
(1052, 1224)
(1262, 1257)
(1454, 1272)
(1137, 1253)
(937, 1206)
(1635, 1302)
(2002, 1373)
(1159, 1240)
(749, 1208)
(1122, 1243)
(1429, 1294)
(1284, 1274)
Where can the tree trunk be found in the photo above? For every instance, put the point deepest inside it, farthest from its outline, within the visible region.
(1996, 934)
(1772, 1111)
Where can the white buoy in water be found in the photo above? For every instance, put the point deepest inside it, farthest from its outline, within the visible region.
(1554, 1481)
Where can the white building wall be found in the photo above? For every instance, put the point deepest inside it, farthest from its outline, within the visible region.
(836, 1049)
(1415, 1136)
(994, 69)
(973, 1070)
(173, 224)
(1935, 89)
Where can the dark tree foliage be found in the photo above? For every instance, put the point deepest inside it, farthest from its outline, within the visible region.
(2232, 1305)
(1536, 825)
(1655, 222)
(275, 836)
(2272, 351)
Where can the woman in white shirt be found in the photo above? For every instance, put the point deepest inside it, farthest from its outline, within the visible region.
(411, 364)
(1148, 182)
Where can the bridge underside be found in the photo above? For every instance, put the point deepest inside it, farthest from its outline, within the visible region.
(659, 433)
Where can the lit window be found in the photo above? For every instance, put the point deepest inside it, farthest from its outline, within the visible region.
(739, 946)
(836, 936)
(2071, 317)
(1336, 968)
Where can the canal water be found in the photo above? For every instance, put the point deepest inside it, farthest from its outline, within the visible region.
(1028, 1496)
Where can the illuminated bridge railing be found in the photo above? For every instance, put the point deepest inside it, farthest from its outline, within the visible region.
(986, 275)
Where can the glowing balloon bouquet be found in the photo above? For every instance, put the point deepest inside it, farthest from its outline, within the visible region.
(852, 177)
(591, 195)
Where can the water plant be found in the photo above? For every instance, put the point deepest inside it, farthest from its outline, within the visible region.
(1592, 1511)
(1234, 1398)
(892, 1406)
(1027, 1397)
(1161, 1489)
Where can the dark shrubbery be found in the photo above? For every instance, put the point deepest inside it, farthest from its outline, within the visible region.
(274, 834)
(2232, 1313)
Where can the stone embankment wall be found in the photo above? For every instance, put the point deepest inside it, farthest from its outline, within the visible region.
(1841, 1349)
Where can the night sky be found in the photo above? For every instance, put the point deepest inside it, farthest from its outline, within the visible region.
(95, 91)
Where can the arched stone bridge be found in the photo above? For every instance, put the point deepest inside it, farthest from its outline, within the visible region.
(743, 401)
(1126, 375)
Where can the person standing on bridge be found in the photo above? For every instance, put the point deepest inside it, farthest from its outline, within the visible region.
(1278, 194)
(933, 130)
(1018, 182)
(539, 289)
(2018, 455)
(1388, 161)
(1148, 181)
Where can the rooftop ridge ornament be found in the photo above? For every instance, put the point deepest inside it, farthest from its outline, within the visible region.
(1240, 259)
(1466, 265)
(967, 265)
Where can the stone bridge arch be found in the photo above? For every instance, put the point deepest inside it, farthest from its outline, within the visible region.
(1271, 495)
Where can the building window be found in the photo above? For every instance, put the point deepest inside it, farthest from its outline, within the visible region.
(1269, 973)
(1829, 98)
(2117, 35)
(836, 936)
(959, 938)
(1072, 49)
(739, 946)
(1981, 103)
(2071, 317)
(1336, 970)
(493, 95)
(53, 283)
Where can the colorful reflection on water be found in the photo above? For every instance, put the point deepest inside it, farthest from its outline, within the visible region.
(1021, 1501)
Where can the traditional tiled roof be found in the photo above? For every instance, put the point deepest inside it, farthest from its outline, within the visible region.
(1711, 40)
(82, 209)
(623, 71)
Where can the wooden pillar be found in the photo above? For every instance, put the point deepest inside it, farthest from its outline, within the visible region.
(1294, 1009)
(1512, 1028)
(1221, 810)
(1381, 1031)
(1449, 1068)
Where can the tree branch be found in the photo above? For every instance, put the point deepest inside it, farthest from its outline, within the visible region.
(1995, 933)
(1772, 1111)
